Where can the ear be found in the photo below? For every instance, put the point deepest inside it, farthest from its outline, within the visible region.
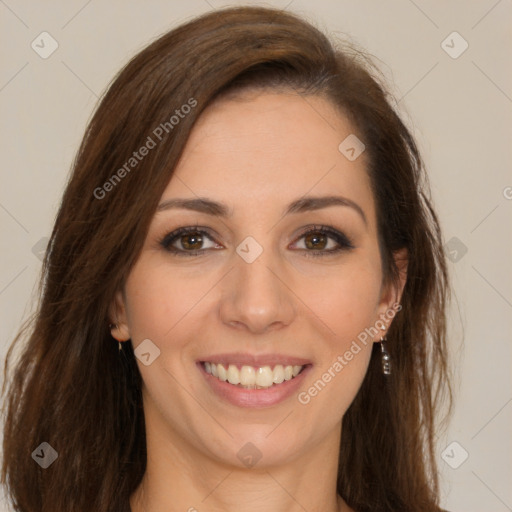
(391, 295)
(117, 313)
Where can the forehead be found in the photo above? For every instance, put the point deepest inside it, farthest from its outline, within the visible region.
(269, 148)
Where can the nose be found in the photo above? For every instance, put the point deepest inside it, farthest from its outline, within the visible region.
(256, 296)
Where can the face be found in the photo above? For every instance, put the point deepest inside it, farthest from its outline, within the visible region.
(265, 292)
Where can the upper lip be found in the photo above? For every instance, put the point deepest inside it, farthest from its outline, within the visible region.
(241, 359)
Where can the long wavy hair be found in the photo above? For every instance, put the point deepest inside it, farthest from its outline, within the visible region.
(69, 386)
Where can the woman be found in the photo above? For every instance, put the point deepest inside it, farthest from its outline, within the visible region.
(243, 298)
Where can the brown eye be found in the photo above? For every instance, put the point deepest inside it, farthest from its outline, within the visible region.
(315, 240)
(191, 241)
(188, 241)
(324, 241)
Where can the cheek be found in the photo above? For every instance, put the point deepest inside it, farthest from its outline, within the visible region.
(345, 299)
(346, 307)
(158, 299)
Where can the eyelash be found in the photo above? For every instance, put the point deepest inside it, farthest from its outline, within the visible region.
(341, 239)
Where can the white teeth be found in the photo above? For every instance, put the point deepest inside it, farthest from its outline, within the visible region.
(222, 373)
(233, 374)
(264, 377)
(278, 376)
(247, 376)
(252, 377)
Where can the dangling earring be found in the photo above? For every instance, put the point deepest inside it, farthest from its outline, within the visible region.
(114, 326)
(386, 358)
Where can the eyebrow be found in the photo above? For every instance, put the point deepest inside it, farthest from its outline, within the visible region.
(304, 204)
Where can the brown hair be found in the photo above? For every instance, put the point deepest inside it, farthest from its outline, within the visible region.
(71, 388)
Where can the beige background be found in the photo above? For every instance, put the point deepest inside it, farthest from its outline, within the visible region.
(460, 110)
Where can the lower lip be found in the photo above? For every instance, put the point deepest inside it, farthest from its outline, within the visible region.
(254, 397)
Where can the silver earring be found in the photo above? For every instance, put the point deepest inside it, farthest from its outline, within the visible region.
(114, 326)
(386, 358)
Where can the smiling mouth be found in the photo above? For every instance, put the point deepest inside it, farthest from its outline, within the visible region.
(252, 377)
